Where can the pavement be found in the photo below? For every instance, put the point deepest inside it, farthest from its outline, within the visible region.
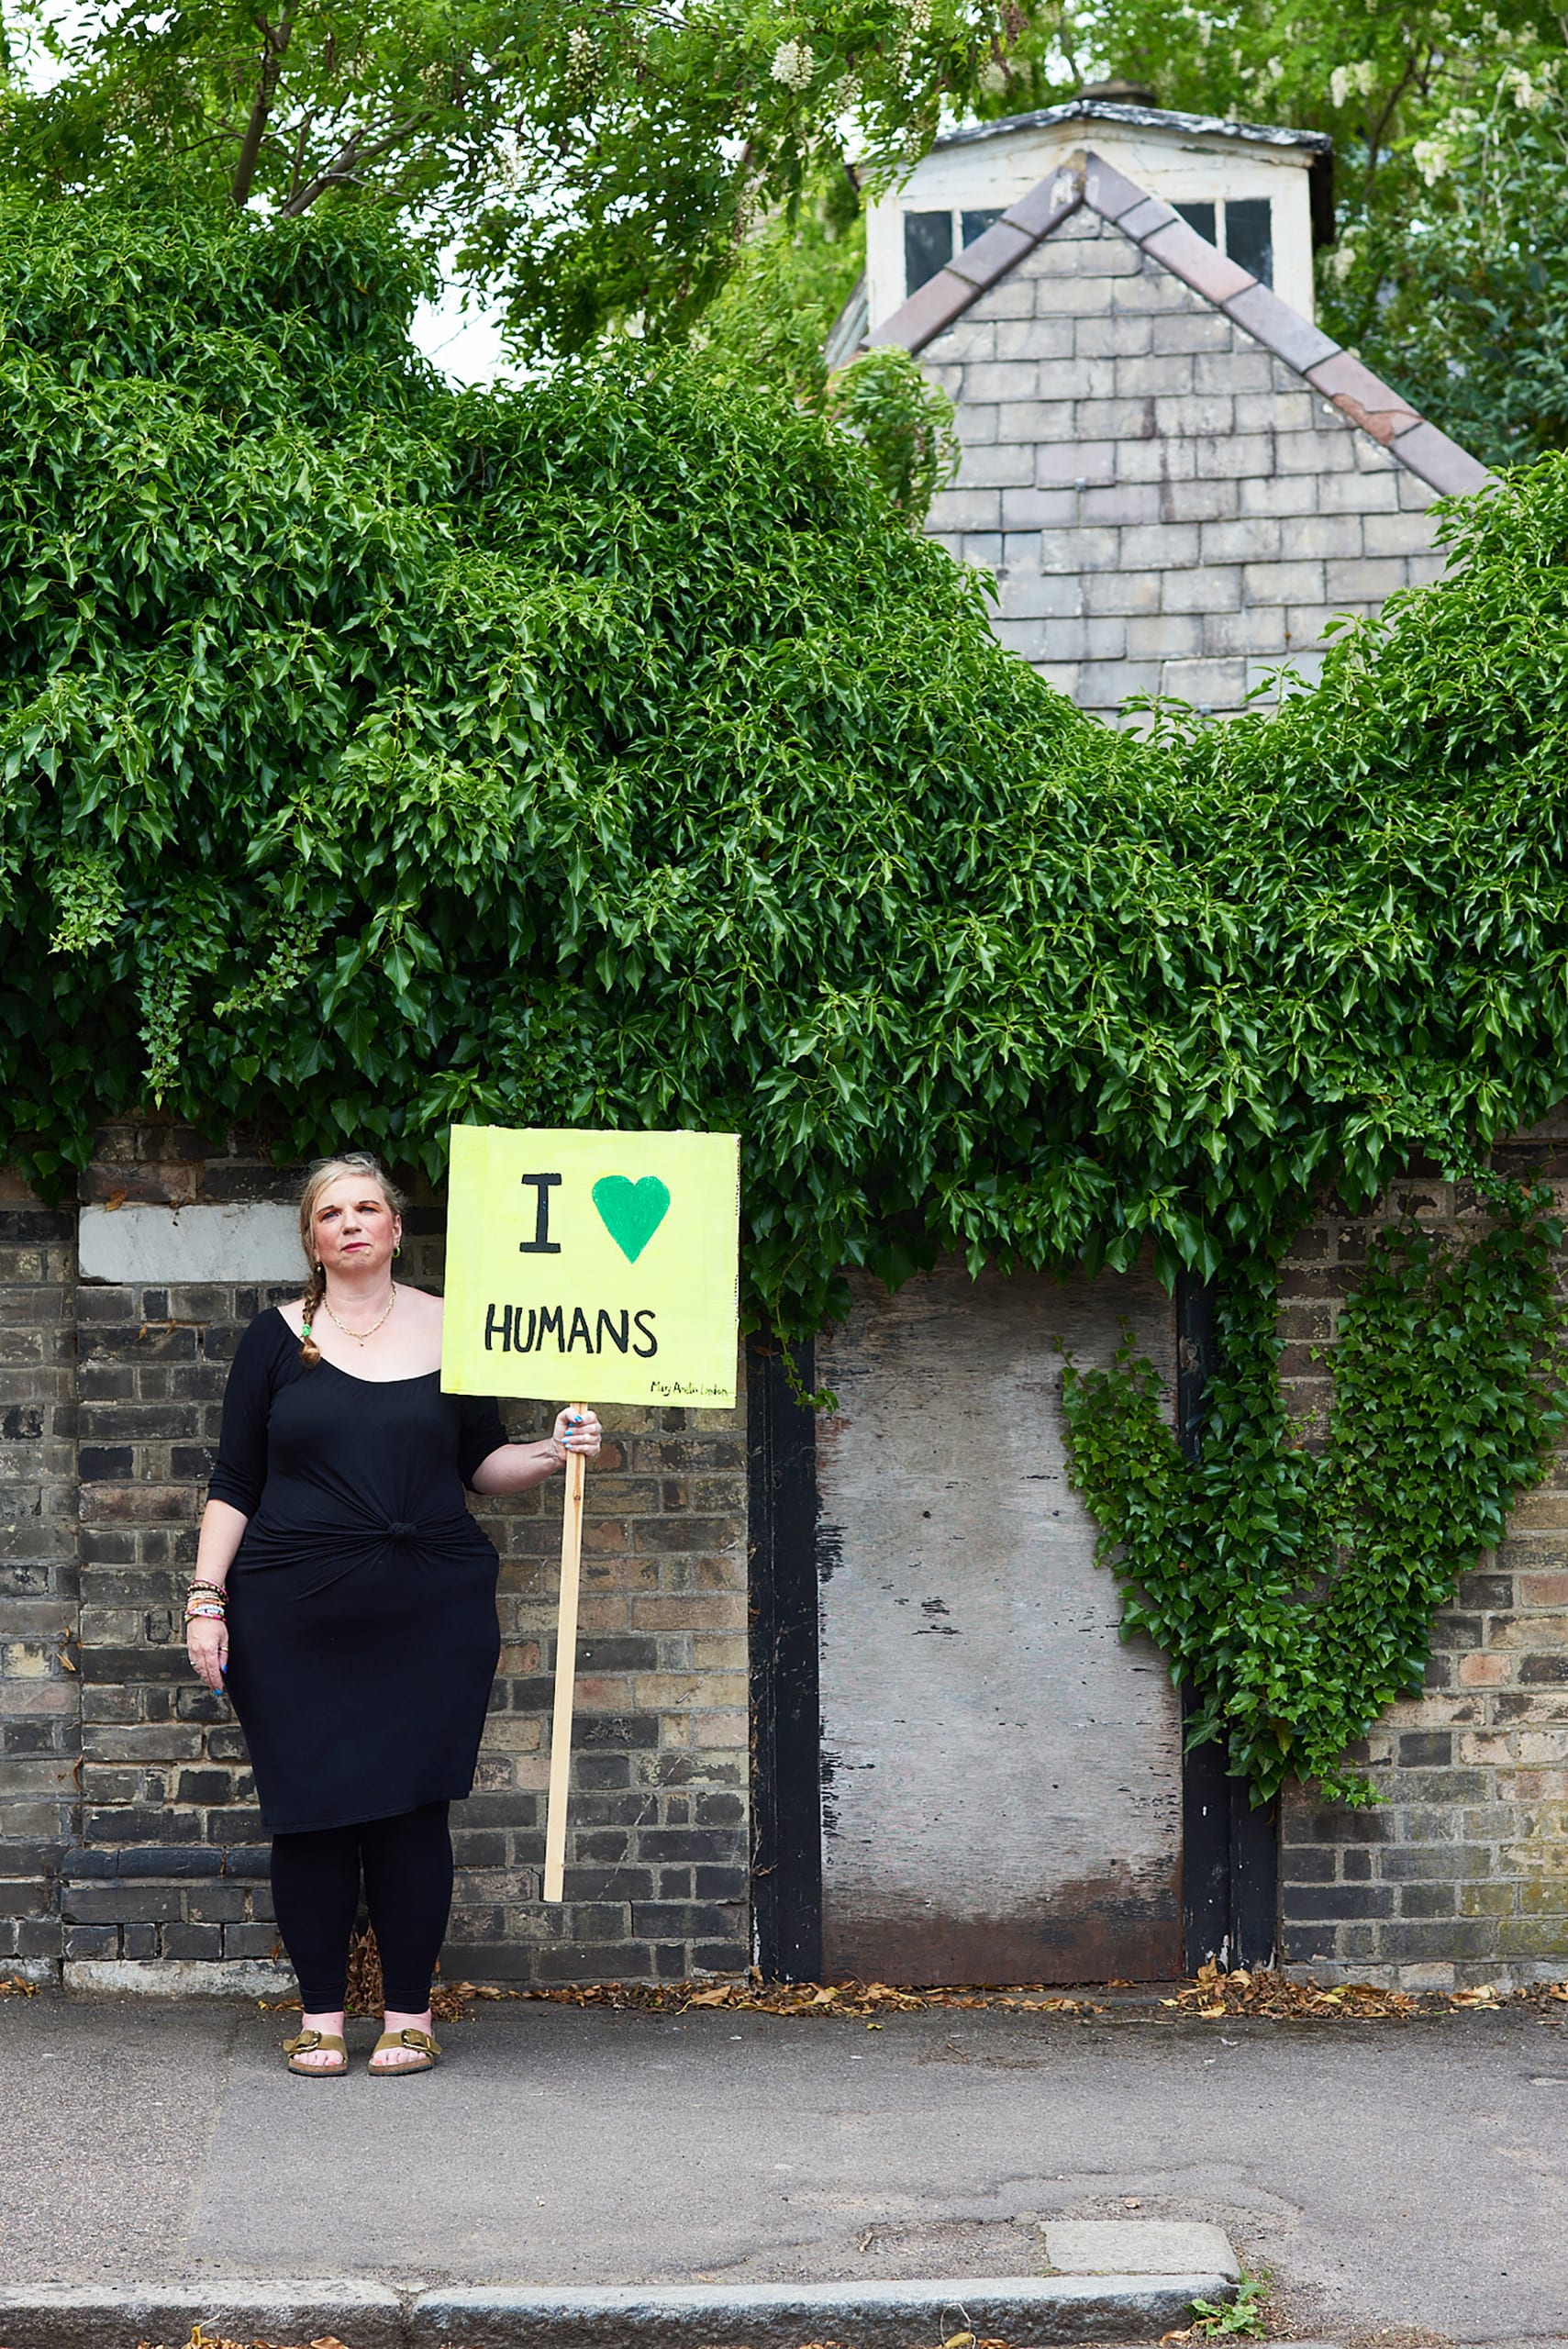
(1407, 2180)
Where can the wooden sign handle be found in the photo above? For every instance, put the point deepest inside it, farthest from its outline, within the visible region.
(565, 1673)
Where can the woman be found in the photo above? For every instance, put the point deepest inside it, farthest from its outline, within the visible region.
(347, 1599)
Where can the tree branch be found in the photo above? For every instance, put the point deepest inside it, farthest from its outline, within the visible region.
(274, 44)
(350, 160)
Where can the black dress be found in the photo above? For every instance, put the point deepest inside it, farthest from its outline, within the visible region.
(361, 1600)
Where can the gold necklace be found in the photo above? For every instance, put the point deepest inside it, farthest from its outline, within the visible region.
(359, 1336)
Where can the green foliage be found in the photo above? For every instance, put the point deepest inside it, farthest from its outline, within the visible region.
(791, 279)
(1293, 1589)
(611, 751)
(1242, 2318)
(904, 423)
(596, 162)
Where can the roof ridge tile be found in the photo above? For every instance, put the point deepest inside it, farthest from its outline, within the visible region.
(1085, 178)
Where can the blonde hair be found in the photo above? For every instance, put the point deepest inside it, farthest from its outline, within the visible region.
(318, 1175)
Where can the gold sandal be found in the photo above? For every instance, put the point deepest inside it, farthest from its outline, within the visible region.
(419, 2039)
(307, 2044)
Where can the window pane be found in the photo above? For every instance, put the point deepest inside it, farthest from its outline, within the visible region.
(928, 246)
(1249, 237)
(976, 223)
(1201, 218)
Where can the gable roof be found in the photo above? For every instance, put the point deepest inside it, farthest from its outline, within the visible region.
(1087, 180)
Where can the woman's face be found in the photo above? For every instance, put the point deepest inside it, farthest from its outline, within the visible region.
(353, 1229)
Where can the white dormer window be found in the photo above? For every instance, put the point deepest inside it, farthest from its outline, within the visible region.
(1260, 196)
(1240, 225)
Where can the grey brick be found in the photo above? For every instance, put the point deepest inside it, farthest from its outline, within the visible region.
(1397, 534)
(1161, 379)
(1311, 452)
(1107, 684)
(966, 509)
(1004, 465)
(1112, 337)
(1256, 629)
(1199, 501)
(1206, 588)
(1027, 639)
(1192, 330)
(1165, 635)
(1008, 379)
(1367, 581)
(1213, 684)
(1233, 455)
(1282, 582)
(1250, 539)
(1159, 546)
(1234, 373)
(1290, 494)
(1075, 461)
(1107, 592)
(977, 426)
(1036, 595)
(1079, 549)
(1032, 338)
(968, 338)
(1123, 502)
(1033, 509)
(1045, 419)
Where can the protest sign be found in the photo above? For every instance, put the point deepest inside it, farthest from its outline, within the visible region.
(600, 1265)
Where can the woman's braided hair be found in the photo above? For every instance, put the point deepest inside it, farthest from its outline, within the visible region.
(317, 1176)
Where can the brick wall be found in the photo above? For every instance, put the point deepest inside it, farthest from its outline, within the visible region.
(1166, 506)
(1460, 1875)
(165, 1857)
(39, 1693)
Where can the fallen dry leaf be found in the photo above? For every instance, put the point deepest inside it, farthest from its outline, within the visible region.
(13, 1987)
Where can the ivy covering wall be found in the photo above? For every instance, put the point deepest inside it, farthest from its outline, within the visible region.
(612, 752)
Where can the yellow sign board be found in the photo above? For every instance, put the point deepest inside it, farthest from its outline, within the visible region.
(596, 1267)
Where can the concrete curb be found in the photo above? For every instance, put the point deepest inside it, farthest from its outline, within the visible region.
(70, 2316)
(1016, 2309)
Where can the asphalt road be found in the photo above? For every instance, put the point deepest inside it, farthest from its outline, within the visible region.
(1391, 2175)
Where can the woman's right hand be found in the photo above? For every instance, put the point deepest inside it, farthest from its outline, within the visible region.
(207, 1644)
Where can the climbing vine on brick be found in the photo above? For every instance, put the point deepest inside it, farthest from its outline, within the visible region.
(610, 751)
(1293, 1588)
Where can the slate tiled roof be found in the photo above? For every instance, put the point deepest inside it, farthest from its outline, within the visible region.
(1087, 180)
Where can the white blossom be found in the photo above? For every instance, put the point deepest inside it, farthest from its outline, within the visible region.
(1525, 93)
(1341, 261)
(1352, 81)
(1433, 158)
(919, 15)
(793, 65)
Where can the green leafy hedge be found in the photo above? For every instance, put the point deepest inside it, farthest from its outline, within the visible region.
(609, 752)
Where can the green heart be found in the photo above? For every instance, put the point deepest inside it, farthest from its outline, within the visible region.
(632, 1212)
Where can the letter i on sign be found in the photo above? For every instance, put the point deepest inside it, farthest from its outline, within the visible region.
(608, 1261)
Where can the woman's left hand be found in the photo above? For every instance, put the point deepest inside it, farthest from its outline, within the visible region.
(578, 1431)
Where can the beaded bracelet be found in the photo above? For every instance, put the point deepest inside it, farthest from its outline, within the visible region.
(216, 1587)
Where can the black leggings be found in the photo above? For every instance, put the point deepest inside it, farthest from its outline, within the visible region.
(408, 1865)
